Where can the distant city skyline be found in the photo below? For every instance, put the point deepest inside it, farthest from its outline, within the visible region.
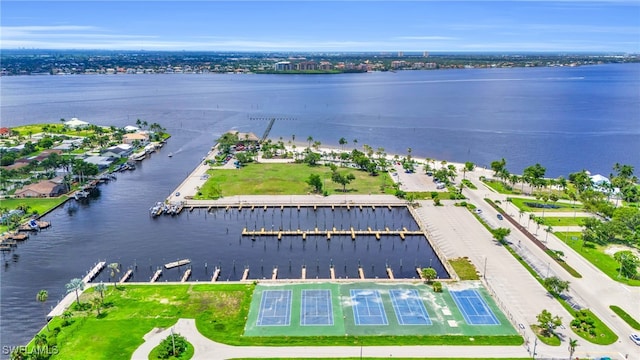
(327, 26)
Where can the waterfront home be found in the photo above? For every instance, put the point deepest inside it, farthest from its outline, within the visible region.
(117, 151)
(102, 162)
(76, 124)
(69, 144)
(44, 188)
(131, 128)
(5, 132)
(142, 138)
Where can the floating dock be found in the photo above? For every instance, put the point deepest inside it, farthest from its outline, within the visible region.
(304, 273)
(274, 274)
(353, 233)
(333, 273)
(156, 275)
(419, 270)
(186, 275)
(125, 277)
(245, 275)
(177, 263)
(94, 272)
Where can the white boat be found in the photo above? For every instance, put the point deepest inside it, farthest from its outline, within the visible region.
(170, 154)
(81, 194)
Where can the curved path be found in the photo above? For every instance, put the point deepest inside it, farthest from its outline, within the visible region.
(206, 349)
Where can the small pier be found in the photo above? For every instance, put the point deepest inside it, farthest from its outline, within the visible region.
(419, 270)
(156, 275)
(186, 275)
(125, 277)
(390, 273)
(332, 271)
(216, 274)
(176, 263)
(94, 272)
(304, 273)
(361, 273)
(245, 275)
(274, 274)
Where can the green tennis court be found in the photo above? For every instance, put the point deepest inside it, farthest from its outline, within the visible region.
(367, 308)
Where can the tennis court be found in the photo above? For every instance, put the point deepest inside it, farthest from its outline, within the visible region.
(368, 308)
(473, 307)
(275, 308)
(409, 308)
(316, 308)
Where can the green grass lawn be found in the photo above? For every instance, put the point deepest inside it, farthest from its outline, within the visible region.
(625, 316)
(464, 268)
(285, 179)
(41, 205)
(188, 354)
(595, 255)
(220, 311)
(563, 221)
(500, 187)
(551, 341)
(562, 206)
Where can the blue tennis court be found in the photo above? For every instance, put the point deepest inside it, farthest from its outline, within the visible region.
(316, 308)
(473, 307)
(368, 308)
(409, 307)
(275, 308)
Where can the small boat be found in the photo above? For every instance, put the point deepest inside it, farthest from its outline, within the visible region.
(170, 154)
(82, 194)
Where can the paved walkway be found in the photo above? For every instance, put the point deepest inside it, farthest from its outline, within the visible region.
(206, 349)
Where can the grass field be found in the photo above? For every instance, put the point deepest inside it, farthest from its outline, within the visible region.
(285, 179)
(563, 221)
(625, 316)
(500, 187)
(595, 255)
(562, 206)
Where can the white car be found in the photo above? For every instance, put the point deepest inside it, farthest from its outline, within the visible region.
(478, 211)
(635, 338)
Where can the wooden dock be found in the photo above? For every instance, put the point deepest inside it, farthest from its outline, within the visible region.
(176, 263)
(419, 270)
(94, 272)
(216, 274)
(304, 273)
(125, 277)
(156, 275)
(186, 275)
(274, 274)
(361, 273)
(390, 273)
(351, 232)
(332, 271)
(245, 275)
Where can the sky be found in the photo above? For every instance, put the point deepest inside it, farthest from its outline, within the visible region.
(324, 26)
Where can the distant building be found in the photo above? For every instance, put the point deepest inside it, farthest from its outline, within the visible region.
(282, 66)
(44, 188)
(75, 123)
(102, 162)
(5, 132)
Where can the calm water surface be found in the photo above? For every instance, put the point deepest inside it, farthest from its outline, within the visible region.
(566, 119)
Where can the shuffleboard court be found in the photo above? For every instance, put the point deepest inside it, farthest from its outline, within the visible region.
(473, 307)
(409, 308)
(368, 308)
(275, 308)
(316, 308)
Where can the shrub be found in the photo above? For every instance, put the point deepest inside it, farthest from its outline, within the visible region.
(167, 346)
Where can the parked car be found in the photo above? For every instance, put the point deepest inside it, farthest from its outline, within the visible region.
(499, 216)
(635, 338)
(478, 211)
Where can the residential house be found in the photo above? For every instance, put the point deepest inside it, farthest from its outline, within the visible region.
(102, 162)
(118, 151)
(76, 123)
(142, 138)
(44, 188)
(5, 132)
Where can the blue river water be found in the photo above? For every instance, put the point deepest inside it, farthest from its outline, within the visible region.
(566, 119)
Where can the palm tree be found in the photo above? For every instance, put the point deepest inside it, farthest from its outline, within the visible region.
(342, 142)
(42, 297)
(115, 269)
(548, 229)
(101, 288)
(573, 343)
(40, 340)
(309, 139)
(76, 284)
(97, 303)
